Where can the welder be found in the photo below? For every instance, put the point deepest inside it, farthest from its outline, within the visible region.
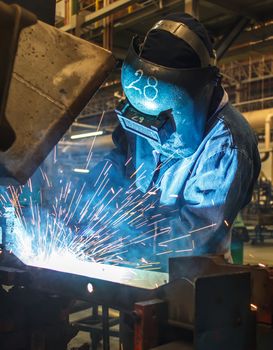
(196, 152)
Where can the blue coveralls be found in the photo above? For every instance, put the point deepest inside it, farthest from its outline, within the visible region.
(197, 198)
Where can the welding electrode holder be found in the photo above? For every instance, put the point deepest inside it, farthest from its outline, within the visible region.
(13, 19)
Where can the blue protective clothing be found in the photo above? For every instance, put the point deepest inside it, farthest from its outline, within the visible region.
(196, 198)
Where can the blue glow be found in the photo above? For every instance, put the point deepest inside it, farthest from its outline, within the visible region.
(148, 95)
(151, 96)
(150, 105)
(73, 225)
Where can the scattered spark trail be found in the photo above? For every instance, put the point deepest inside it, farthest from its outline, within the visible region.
(55, 155)
(203, 228)
(166, 252)
(141, 165)
(94, 221)
(175, 239)
(50, 235)
(128, 161)
(89, 157)
(183, 250)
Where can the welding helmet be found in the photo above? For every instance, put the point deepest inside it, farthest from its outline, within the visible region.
(168, 106)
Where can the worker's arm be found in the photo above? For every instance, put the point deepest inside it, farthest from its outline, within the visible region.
(113, 164)
(212, 198)
(105, 186)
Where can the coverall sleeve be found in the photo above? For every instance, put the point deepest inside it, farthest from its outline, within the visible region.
(212, 198)
(105, 179)
(114, 161)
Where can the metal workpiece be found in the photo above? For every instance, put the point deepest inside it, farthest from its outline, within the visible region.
(223, 315)
(96, 290)
(116, 287)
(149, 320)
(261, 278)
(132, 277)
(55, 74)
(212, 310)
(12, 20)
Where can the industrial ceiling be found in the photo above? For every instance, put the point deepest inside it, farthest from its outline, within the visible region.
(250, 20)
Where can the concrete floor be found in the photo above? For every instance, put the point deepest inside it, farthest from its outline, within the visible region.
(84, 338)
(260, 253)
(253, 254)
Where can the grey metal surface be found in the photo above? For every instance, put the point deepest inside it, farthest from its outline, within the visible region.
(180, 295)
(12, 20)
(222, 312)
(193, 267)
(138, 278)
(117, 287)
(55, 75)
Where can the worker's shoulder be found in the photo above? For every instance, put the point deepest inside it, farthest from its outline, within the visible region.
(237, 125)
(232, 130)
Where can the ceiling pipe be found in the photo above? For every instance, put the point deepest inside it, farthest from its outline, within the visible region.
(268, 124)
(257, 118)
(224, 44)
(267, 133)
(262, 120)
(267, 137)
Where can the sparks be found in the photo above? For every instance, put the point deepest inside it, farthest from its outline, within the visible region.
(94, 222)
(166, 252)
(183, 250)
(253, 307)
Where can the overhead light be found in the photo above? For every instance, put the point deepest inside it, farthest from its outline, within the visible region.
(83, 171)
(87, 134)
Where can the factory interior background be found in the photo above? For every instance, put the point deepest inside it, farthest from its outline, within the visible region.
(243, 34)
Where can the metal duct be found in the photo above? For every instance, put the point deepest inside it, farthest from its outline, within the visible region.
(257, 119)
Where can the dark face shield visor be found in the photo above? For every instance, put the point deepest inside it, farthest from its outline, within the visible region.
(157, 128)
(152, 90)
